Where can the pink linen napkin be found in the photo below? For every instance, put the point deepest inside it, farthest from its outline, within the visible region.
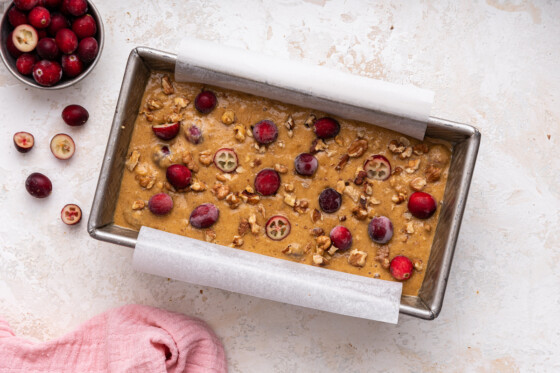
(132, 338)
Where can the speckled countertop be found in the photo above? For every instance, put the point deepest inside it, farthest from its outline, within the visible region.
(492, 64)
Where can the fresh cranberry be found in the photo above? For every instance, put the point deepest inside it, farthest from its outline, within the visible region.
(58, 22)
(11, 47)
(71, 214)
(330, 200)
(42, 34)
(194, 134)
(267, 182)
(377, 167)
(38, 185)
(178, 175)
(23, 141)
(204, 216)
(306, 164)
(63, 146)
(39, 17)
(205, 102)
(47, 73)
(380, 229)
(47, 49)
(25, 5)
(326, 127)
(278, 227)
(71, 65)
(16, 17)
(87, 50)
(166, 131)
(160, 204)
(265, 132)
(25, 62)
(25, 38)
(67, 41)
(75, 7)
(341, 238)
(84, 26)
(401, 268)
(52, 3)
(75, 115)
(422, 205)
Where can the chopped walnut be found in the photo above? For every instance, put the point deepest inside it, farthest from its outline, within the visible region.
(180, 104)
(359, 180)
(427, 227)
(301, 206)
(368, 188)
(320, 260)
(407, 153)
(147, 181)
(433, 173)
(410, 227)
(398, 198)
(403, 140)
(143, 169)
(294, 249)
(323, 243)
(417, 184)
(357, 148)
(209, 235)
(138, 205)
(412, 166)
(382, 256)
(260, 148)
(420, 149)
(174, 117)
(316, 216)
(357, 258)
(318, 145)
(289, 187)
(169, 187)
(290, 124)
(255, 163)
(340, 185)
(333, 249)
(397, 171)
(198, 186)
(317, 231)
(396, 147)
(310, 121)
(352, 192)
(221, 177)
(132, 161)
(154, 105)
(342, 162)
(228, 117)
(233, 200)
(341, 217)
(261, 210)
(255, 228)
(188, 160)
(339, 140)
(418, 264)
(166, 85)
(149, 117)
(205, 157)
(244, 227)
(281, 144)
(220, 191)
(363, 201)
(240, 132)
(359, 213)
(290, 200)
(250, 198)
(237, 241)
(361, 133)
(280, 168)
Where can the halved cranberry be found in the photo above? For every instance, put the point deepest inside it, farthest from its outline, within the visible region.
(178, 175)
(278, 227)
(401, 268)
(25, 62)
(194, 134)
(25, 38)
(47, 73)
(226, 160)
(23, 141)
(62, 146)
(71, 214)
(166, 131)
(38, 185)
(25, 5)
(75, 115)
(66, 40)
(326, 127)
(47, 49)
(58, 22)
(204, 216)
(377, 167)
(16, 17)
(265, 132)
(84, 26)
(267, 182)
(71, 65)
(330, 200)
(11, 47)
(306, 164)
(205, 102)
(380, 229)
(75, 7)
(422, 205)
(160, 204)
(341, 238)
(87, 50)
(39, 17)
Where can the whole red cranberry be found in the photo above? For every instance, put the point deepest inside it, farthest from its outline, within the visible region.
(58, 22)
(25, 62)
(67, 41)
(47, 49)
(71, 65)
(75, 7)
(42, 34)
(16, 17)
(47, 73)
(25, 5)
(87, 50)
(51, 3)
(39, 17)
(84, 26)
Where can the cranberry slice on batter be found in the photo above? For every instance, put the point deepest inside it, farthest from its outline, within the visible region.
(377, 167)
(278, 227)
(226, 160)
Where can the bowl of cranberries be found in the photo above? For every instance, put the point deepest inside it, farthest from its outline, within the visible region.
(51, 44)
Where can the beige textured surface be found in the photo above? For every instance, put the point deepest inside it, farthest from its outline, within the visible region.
(492, 63)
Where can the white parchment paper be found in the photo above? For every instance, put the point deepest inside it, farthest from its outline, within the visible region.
(202, 263)
(404, 109)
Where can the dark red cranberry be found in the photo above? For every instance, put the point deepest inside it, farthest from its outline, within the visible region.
(38, 185)
(47, 73)
(306, 164)
(75, 115)
(71, 65)
(330, 200)
(16, 17)
(401, 268)
(25, 62)
(166, 131)
(380, 229)
(205, 102)
(194, 134)
(204, 216)
(160, 204)
(58, 22)
(75, 7)
(326, 127)
(25, 5)
(66, 40)
(47, 49)
(87, 50)
(421, 205)
(11, 47)
(84, 26)
(178, 175)
(267, 182)
(51, 3)
(341, 238)
(39, 17)
(265, 132)
(42, 34)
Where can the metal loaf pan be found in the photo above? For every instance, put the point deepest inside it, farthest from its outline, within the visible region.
(465, 138)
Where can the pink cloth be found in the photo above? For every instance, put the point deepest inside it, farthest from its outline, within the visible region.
(128, 339)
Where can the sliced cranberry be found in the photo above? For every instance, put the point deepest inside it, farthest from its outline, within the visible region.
(47, 73)
(47, 49)
(341, 238)
(16, 17)
(25, 5)
(67, 41)
(278, 227)
(380, 229)
(11, 47)
(330, 200)
(25, 62)
(58, 22)
(25, 38)
(84, 26)
(62, 146)
(75, 7)
(71, 214)
(194, 134)
(401, 268)
(267, 182)
(265, 132)
(38, 185)
(422, 205)
(87, 50)
(75, 115)
(71, 65)
(326, 127)
(39, 17)
(306, 164)
(23, 141)
(178, 175)
(226, 160)
(166, 131)
(160, 204)
(204, 216)
(205, 102)
(377, 167)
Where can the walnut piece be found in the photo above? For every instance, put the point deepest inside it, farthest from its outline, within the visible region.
(359, 213)
(357, 148)
(352, 192)
(250, 198)
(188, 160)
(132, 161)
(382, 256)
(220, 191)
(244, 227)
(342, 162)
(418, 264)
(301, 206)
(357, 258)
(198, 186)
(180, 103)
(228, 117)
(289, 187)
(320, 260)
(149, 116)
(205, 157)
(174, 117)
(318, 145)
(237, 241)
(433, 173)
(138, 205)
(317, 232)
(396, 147)
(290, 124)
(398, 198)
(420, 149)
(406, 153)
(233, 200)
(295, 249)
(280, 168)
(412, 166)
(359, 180)
(209, 235)
(323, 243)
(166, 85)
(290, 200)
(240, 132)
(310, 121)
(255, 228)
(417, 184)
(410, 228)
(316, 216)
(154, 104)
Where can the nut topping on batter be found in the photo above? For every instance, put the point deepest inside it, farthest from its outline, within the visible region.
(228, 117)
(244, 227)
(166, 85)
(154, 105)
(357, 258)
(220, 191)
(132, 160)
(433, 173)
(357, 148)
(205, 157)
(238, 241)
(417, 184)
